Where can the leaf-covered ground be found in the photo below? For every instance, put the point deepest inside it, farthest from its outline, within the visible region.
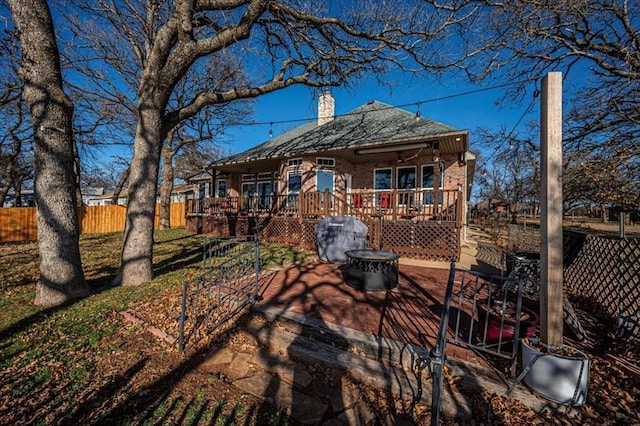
(614, 389)
(85, 364)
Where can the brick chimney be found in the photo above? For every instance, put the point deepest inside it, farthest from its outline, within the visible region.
(326, 108)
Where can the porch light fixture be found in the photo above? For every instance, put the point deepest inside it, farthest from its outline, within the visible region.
(395, 148)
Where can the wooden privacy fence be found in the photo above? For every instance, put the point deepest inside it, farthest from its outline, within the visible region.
(19, 223)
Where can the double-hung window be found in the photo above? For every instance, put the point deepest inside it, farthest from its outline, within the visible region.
(324, 182)
(248, 193)
(406, 183)
(221, 188)
(264, 190)
(382, 185)
(428, 183)
(294, 186)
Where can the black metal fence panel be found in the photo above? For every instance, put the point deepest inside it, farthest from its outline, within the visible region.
(227, 285)
(482, 312)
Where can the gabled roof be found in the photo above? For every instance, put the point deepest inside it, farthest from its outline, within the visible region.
(180, 189)
(372, 124)
(491, 202)
(200, 176)
(91, 191)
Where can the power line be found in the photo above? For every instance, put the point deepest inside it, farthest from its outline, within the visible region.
(418, 103)
(270, 123)
(510, 134)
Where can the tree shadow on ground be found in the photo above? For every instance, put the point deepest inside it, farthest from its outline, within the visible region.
(307, 284)
(125, 397)
(135, 397)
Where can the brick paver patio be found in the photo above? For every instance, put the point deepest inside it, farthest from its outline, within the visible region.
(408, 314)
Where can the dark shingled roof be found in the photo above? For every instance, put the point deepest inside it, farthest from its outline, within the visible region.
(371, 124)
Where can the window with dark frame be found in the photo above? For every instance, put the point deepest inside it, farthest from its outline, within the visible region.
(221, 190)
(294, 186)
(382, 182)
(428, 182)
(326, 161)
(406, 181)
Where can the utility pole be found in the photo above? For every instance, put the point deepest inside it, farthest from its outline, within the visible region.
(551, 273)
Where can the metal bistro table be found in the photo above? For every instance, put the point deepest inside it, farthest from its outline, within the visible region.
(369, 269)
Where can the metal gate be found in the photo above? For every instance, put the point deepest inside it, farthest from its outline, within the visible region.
(482, 312)
(227, 284)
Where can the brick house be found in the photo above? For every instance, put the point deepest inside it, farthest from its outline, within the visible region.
(405, 176)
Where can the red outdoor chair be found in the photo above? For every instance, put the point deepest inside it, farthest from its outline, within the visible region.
(385, 199)
(358, 202)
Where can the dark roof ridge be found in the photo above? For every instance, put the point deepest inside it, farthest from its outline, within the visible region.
(374, 122)
(378, 106)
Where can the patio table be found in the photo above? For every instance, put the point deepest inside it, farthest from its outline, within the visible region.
(371, 270)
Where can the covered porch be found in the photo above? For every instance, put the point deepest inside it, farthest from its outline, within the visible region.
(407, 222)
(415, 204)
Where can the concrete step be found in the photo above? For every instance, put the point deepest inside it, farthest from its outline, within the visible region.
(387, 351)
(395, 368)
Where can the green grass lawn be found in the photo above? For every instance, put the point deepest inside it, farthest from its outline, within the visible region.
(66, 364)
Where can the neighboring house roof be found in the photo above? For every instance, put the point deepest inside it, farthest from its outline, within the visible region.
(23, 192)
(108, 195)
(490, 203)
(372, 124)
(91, 191)
(27, 197)
(181, 189)
(205, 176)
(177, 189)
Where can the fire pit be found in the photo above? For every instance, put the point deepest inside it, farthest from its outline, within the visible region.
(371, 270)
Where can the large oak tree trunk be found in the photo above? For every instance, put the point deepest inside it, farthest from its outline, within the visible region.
(136, 265)
(9, 169)
(124, 177)
(166, 188)
(18, 196)
(61, 276)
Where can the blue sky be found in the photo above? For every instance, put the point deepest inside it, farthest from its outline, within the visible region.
(463, 112)
(460, 109)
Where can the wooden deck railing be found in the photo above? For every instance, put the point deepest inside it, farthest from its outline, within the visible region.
(416, 205)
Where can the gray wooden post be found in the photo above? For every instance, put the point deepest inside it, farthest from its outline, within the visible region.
(551, 221)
